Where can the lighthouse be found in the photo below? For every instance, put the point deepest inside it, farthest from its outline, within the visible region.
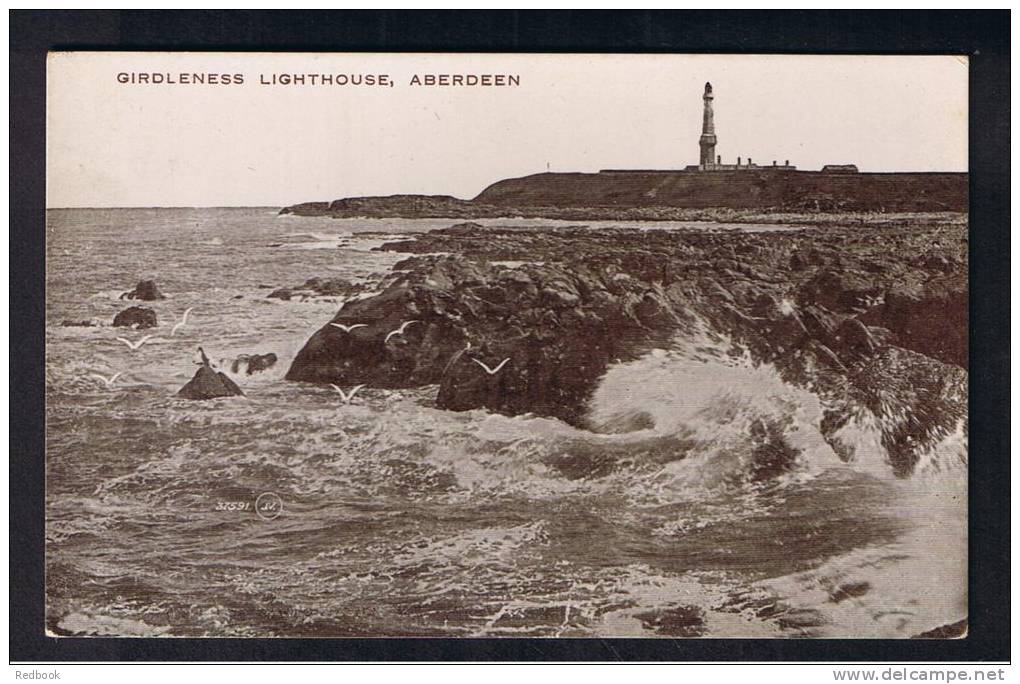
(707, 141)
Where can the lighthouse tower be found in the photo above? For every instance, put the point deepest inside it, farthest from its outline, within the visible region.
(707, 141)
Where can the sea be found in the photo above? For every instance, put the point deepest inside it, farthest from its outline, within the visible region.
(290, 513)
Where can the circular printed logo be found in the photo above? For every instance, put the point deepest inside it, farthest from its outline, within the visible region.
(268, 506)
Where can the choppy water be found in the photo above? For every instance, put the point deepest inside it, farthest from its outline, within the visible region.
(401, 519)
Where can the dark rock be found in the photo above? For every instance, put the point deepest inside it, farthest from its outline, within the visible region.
(79, 324)
(283, 293)
(579, 299)
(854, 338)
(840, 290)
(931, 318)
(849, 590)
(209, 384)
(955, 630)
(328, 286)
(797, 262)
(253, 363)
(820, 323)
(772, 454)
(682, 621)
(558, 340)
(145, 290)
(826, 356)
(318, 287)
(139, 317)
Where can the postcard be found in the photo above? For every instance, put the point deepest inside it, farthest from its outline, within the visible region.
(506, 345)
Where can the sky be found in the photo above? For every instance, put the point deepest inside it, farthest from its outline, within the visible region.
(112, 144)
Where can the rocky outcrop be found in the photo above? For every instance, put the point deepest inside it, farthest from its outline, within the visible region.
(283, 293)
(145, 290)
(138, 317)
(558, 330)
(317, 287)
(253, 363)
(930, 317)
(407, 206)
(209, 384)
(955, 630)
(524, 320)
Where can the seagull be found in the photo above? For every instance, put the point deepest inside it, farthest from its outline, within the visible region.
(134, 346)
(348, 328)
(184, 319)
(346, 396)
(398, 331)
(204, 359)
(107, 381)
(491, 371)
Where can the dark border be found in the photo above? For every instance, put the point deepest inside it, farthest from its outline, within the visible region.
(983, 35)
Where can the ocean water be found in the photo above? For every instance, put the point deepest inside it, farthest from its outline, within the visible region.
(395, 518)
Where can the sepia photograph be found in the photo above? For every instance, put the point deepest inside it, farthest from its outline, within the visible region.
(506, 345)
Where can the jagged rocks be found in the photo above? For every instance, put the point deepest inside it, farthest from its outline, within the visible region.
(771, 453)
(559, 304)
(209, 384)
(317, 287)
(931, 319)
(138, 317)
(253, 363)
(329, 286)
(854, 339)
(955, 630)
(283, 293)
(840, 290)
(558, 329)
(145, 290)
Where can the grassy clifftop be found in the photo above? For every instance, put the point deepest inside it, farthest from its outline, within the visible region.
(668, 195)
(735, 189)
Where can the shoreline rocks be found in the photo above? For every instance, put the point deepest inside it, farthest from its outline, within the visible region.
(138, 317)
(145, 290)
(209, 384)
(557, 305)
(253, 363)
(317, 287)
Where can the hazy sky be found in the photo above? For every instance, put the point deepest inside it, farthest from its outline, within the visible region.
(113, 144)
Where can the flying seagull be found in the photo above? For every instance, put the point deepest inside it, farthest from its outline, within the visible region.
(398, 331)
(107, 381)
(348, 328)
(491, 371)
(346, 396)
(134, 346)
(184, 319)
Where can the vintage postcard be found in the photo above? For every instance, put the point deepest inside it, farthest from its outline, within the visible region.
(506, 345)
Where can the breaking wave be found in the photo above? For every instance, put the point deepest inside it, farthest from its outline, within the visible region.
(705, 499)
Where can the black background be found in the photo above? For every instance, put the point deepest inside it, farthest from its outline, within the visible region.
(983, 35)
